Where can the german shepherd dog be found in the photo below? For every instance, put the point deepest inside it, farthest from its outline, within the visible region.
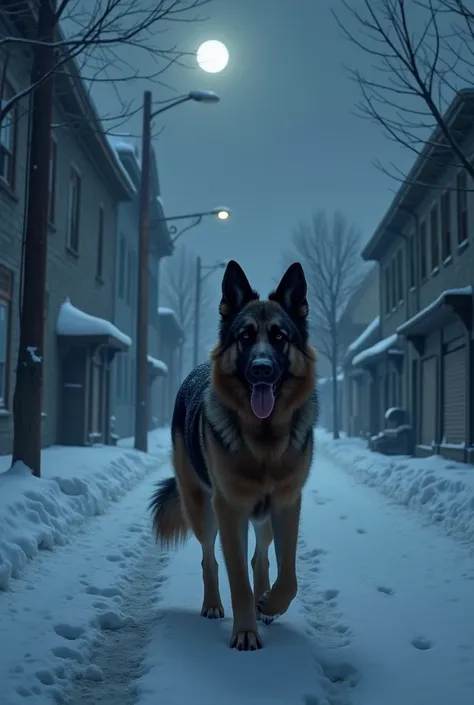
(242, 435)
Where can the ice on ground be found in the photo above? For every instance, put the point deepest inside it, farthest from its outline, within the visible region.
(441, 490)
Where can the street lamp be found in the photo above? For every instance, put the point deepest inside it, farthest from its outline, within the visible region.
(200, 278)
(141, 399)
(221, 213)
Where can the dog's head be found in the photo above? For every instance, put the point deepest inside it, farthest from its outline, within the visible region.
(263, 362)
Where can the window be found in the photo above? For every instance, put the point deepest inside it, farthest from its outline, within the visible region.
(423, 253)
(52, 182)
(393, 277)
(100, 244)
(122, 255)
(388, 307)
(129, 276)
(411, 261)
(74, 211)
(8, 139)
(400, 275)
(461, 185)
(446, 225)
(119, 376)
(6, 295)
(434, 237)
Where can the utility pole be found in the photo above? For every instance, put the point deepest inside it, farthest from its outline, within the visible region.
(197, 312)
(27, 401)
(141, 386)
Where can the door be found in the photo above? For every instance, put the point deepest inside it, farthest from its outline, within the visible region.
(428, 401)
(455, 397)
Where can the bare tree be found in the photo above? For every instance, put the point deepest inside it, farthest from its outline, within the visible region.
(111, 44)
(422, 54)
(330, 249)
(178, 293)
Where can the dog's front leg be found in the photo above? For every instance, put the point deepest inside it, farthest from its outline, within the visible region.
(285, 525)
(233, 529)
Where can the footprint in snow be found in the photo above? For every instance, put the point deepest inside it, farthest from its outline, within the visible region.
(385, 590)
(112, 621)
(361, 531)
(422, 643)
(70, 632)
(330, 594)
(114, 557)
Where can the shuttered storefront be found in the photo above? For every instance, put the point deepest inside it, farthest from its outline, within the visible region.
(428, 401)
(454, 409)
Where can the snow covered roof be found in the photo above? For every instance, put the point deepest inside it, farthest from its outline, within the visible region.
(442, 299)
(164, 312)
(379, 348)
(72, 321)
(157, 365)
(121, 146)
(365, 335)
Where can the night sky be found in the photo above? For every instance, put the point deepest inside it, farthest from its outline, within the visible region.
(283, 142)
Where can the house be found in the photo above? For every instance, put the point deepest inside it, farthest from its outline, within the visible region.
(356, 322)
(86, 184)
(171, 343)
(424, 247)
(126, 280)
(357, 315)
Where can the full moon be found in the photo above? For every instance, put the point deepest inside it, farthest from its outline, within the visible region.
(212, 56)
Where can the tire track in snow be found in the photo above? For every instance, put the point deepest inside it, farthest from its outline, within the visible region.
(116, 661)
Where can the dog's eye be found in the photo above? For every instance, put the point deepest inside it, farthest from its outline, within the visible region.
(279, 334)
(246, 334)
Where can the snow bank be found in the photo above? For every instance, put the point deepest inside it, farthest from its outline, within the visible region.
(157, 364)
(441, 490)
(73, 321)
(365, 335)
(377, 349)
(77, 483)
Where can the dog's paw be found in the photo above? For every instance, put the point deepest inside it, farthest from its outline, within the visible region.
(212, 612)
(272, 605)
(246, 641)
(266, 618)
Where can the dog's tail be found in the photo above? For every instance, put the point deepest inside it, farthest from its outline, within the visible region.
(168, 521)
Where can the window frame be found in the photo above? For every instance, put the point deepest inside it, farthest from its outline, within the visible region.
(400, 277)
(388, 290)
(99, 272)
(434, 238)
(9, 178)
(6, 300)
(462, 214)
(412, 262)
(73, 246)
(122, 267)
(423, 265)
(446, 234)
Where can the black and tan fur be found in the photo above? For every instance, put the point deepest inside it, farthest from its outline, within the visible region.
(232, 467)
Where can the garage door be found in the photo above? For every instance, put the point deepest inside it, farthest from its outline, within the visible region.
(455, 396)
(428, 401)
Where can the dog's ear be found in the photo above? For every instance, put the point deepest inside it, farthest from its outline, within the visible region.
(236, 290)
(291, 292)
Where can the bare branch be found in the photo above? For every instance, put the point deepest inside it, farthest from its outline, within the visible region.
(424, 54)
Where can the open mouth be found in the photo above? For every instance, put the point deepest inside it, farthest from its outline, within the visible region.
(262, 399)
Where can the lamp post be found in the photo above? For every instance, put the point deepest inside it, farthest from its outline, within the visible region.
(200, 278)
(141, 385)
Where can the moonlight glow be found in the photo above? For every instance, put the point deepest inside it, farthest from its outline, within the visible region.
(212, 56)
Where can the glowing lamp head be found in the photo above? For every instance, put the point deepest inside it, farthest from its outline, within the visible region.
(222, 213)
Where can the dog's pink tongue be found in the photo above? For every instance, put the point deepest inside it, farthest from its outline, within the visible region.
(262, 400)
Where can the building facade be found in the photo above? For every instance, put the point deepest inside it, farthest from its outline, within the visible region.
(126, 282)
(423, 361)
(85, 186)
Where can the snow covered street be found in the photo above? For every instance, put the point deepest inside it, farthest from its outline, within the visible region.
(383, 615)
